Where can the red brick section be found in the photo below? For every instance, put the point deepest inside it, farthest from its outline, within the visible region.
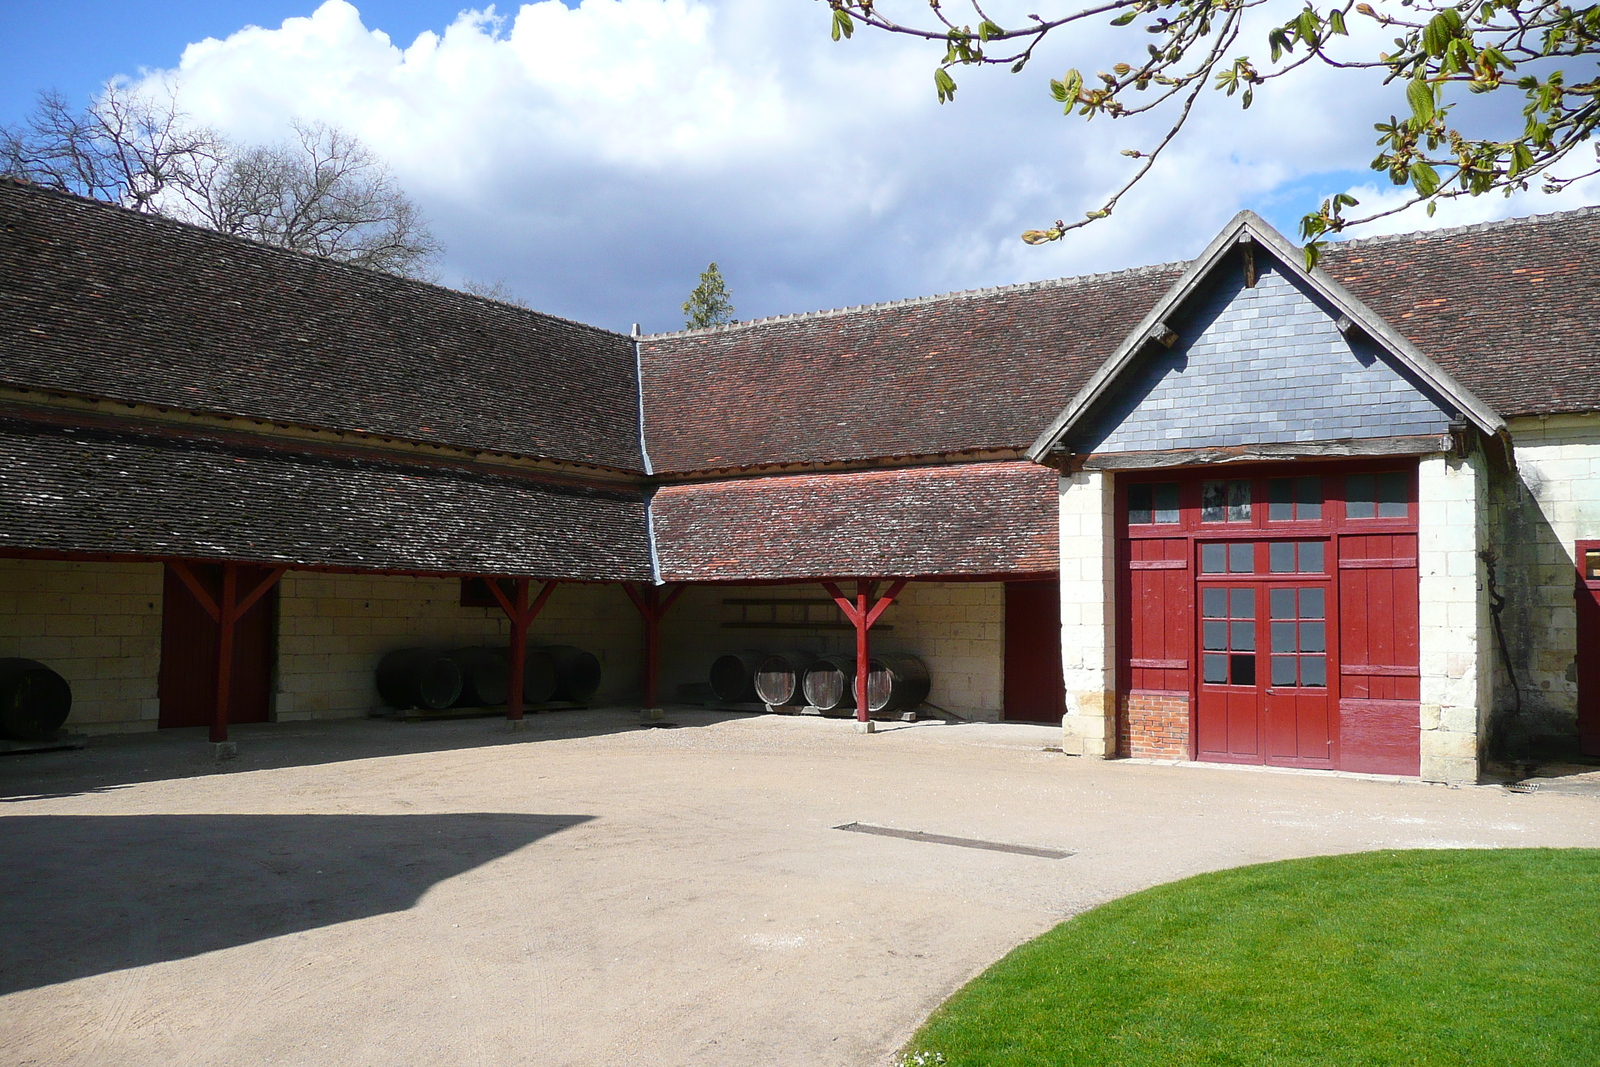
(1152, 725)
(1510, 309)
(952, 520)
(115, 304)
(949, 374)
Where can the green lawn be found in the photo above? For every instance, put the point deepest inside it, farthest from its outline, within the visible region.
(1426, 957)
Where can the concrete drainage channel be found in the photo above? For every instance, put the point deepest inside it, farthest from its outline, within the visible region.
(958, 842)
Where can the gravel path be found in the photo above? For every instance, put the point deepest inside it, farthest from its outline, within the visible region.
(589, 892)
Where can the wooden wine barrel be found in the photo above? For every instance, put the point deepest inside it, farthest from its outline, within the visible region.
(418, 678)
(829, 683)
(577, 673)
(778, 678)
(897, 683)
(484, 676)
(34, 700)
(733, 677)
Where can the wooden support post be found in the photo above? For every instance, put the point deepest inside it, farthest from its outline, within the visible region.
(521, 613)
(653, 606)
(226, 613)
(863, 612)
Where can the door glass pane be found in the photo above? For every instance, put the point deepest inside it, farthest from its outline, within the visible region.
(1282, 638)
(1216, 669)
(1244, 669)
(1313, 670)
(1283, 604)
(1393, 495)
(1214, 603)
(1308, 498)
(1313, 637)
(1243, 603)
(1139, 497)
(1311, 557)
(1283, 670)
(1360, 496)
(1282, 557)
(1214, 502)
(1311, 604)
(1280, 499)
(1239, 501)
(1216, 633)
(1242, 558)
(1244, 637)
(1591, 563)
(1166, 502)
(1213, 559)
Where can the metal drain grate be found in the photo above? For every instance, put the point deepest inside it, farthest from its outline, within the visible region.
(1523, 787)
(959, 842)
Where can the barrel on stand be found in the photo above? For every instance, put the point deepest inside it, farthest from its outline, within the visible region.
(577, 673)
(733, 677)
(419, 678)
(34, 700)
(829, 683)
(778, 678)
(897, 683)
(484, 678)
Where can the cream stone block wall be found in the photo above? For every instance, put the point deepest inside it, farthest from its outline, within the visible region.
(956, 627)
(98, 625)
(1088, 621)
(1454, 634)
(334, 628)
(1551, 501)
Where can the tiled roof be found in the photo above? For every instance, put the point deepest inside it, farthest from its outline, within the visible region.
(1510, 309)
(107, 302)
(967, 372)
(948, 520)
(93, 491)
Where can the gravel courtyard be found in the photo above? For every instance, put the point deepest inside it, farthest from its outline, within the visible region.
(590, 892)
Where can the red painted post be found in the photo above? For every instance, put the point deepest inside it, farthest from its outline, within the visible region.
(520, 618)
(227, 616)
(863, 623)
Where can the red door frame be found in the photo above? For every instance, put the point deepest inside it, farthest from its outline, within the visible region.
(1587, 649)
(1332, 524)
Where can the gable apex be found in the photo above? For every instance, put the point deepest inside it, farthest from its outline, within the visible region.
(1249, 229)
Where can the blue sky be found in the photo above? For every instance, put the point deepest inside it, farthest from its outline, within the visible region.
(594, 158)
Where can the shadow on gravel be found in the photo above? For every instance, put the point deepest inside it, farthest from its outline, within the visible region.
(111, 762)
(85, 894)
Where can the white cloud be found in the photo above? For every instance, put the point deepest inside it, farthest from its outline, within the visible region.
(596, 158)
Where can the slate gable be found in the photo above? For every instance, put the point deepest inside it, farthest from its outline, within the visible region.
(1262, 364)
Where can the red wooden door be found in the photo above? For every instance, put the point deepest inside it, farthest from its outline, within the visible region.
(1034, 690)
(1227, 718)
(1380, 655)
(1589, 647)
(189, 651)
(1297, 717)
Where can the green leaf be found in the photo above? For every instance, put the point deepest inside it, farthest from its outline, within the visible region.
(1440, 31)
(1313, 254)
(1424, 178)
(1124, 18)
(987, 29)
(944, 84)
(842, 24)
(1336, 22)
(1419, 94)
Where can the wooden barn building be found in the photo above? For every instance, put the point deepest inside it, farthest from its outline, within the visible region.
(1225, 510)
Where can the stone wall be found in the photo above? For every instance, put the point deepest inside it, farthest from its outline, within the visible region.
(1088, 627)
(334, 628)
(956, 627)
(1549, 502)
(1454, 635)
(98, 625)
